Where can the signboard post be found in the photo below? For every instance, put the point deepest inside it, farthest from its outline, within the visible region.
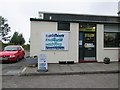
(42, 63)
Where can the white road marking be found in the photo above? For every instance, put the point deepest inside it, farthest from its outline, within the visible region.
(24, 69)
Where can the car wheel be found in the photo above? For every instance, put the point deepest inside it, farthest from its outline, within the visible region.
(23, 57)
(17, 59)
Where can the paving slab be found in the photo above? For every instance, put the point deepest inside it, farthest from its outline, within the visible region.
(65, 68)
(76, 68)
(11, 73)
(54, 68)
(86, 68)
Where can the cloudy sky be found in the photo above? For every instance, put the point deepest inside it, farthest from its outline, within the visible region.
(19, 12)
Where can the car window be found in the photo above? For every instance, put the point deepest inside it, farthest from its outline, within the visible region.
(11, 48)
(22, 48)
(19, 48)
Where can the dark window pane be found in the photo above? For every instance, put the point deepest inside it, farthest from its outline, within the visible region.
(110, 40)
(64, 26)
(118, 39)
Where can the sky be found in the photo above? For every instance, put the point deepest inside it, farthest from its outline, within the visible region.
(19, 12)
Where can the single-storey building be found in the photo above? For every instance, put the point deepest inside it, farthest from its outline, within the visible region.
(74, 37)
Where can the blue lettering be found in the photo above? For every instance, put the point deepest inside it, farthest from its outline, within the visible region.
(55, 35)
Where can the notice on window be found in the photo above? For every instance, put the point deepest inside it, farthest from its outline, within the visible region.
(89, 45)
(80, 42)
(54, 41)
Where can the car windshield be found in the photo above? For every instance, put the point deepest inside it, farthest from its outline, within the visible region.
(10, 48)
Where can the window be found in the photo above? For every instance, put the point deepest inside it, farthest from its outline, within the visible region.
(111, 36)
(110, 39)
(64, 26)
(118, 39)
(88, 27)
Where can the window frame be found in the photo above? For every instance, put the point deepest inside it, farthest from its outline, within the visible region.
(112, 28)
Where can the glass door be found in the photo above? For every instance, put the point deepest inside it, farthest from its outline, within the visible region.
(87, 42)
(89, 46)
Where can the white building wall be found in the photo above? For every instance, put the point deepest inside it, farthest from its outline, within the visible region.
(102, 52)
(37, 28)
(119, 8)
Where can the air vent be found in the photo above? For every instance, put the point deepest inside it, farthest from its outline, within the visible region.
(62, 62)
(70, 62)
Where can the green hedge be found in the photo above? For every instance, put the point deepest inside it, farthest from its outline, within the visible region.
(26, 47)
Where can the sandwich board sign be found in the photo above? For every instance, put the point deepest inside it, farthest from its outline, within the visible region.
(42, 62)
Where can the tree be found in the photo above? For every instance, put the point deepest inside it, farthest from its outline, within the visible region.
(14, 38)
(21, 39)
(17, 39)
(4, 29)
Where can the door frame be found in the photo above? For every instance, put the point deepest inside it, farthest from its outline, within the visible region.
(82, 61)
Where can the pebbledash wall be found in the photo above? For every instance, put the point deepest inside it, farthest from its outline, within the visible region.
(48, 23)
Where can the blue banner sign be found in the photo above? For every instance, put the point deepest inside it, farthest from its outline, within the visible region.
(55, 41)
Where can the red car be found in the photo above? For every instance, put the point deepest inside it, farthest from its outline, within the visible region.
(12, 53)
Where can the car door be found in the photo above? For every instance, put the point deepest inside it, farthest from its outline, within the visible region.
(20, 52)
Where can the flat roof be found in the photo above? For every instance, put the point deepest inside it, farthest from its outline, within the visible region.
(59, 17)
